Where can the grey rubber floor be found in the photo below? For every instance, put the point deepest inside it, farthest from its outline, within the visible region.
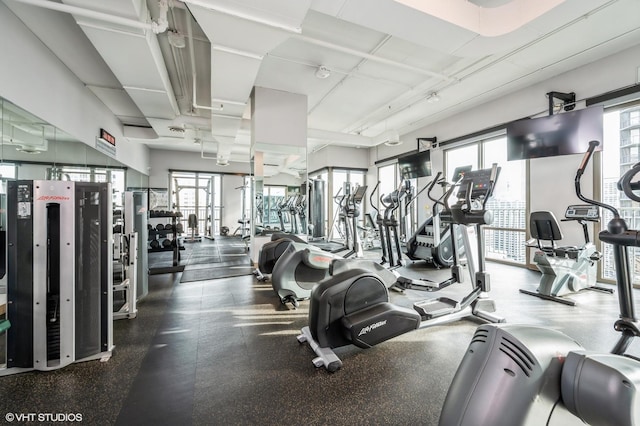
(224, 352)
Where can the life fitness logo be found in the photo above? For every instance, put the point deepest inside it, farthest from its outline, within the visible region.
(53, 198)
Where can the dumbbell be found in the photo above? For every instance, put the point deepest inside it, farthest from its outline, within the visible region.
(155, 244)
(179, 227)
(166, 242)
(159, 227)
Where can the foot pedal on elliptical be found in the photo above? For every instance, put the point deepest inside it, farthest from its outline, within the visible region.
(434, 308)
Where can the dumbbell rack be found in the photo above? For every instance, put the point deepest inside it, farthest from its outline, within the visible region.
(171, 235)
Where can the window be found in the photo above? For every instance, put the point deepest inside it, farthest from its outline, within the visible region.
(620, 151)
(505, 237)
(199, 194)
(7, 171)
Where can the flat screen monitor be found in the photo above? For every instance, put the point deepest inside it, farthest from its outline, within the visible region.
(415, 165)
(559, 134)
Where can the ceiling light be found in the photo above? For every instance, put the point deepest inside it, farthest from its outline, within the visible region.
(489, 3)
(176, 39)
(432, 97)
(27, 150)
(323, 72)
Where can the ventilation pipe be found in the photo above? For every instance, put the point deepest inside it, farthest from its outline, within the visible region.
(157, 27)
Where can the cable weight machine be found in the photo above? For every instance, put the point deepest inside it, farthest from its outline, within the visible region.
(59, 274)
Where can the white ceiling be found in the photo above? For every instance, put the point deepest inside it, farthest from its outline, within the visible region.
(385, 58)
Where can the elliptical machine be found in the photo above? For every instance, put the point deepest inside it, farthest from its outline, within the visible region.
(432, 242)
(352, 307)
(529, 375)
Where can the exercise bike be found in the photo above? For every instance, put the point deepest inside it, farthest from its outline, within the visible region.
(352, 307)
(565, 269)
(529, 375)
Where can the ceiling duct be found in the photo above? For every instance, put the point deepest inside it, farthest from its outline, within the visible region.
(243, 34)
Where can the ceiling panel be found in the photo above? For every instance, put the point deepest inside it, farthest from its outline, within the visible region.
(398, 20)
(295, 50)
(59, 32)
(237, 33)
(232, 76)
(418, 56)
(340, 32)
(344, 105)
(117, 100)
(570, 41)
(118, 48)
(154, 104)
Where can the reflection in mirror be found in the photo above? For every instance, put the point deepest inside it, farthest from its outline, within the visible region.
(280, 190)
(33, 149)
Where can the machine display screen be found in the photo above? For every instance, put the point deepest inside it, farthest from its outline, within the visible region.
(481, 184)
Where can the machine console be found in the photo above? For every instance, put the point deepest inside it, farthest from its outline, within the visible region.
(582, 212)
(359, 195)
(481, 184)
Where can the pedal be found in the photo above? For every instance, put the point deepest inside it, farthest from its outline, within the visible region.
(486, 305)
(434, 308)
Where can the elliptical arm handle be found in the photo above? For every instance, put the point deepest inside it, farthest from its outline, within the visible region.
(585, 160)
(580, 172)
(431, 186)
(371, 203)
(627, 186)
(428, 186)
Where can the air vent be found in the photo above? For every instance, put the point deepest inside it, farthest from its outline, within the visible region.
(518, 355)
(480, 336)
(176, 129)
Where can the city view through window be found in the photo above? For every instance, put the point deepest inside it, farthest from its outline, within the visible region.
(621, 150)
(505, 237)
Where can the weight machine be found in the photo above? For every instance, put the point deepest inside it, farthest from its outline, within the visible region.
(59, 274)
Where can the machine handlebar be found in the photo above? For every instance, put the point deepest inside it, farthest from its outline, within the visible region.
(580, 172)
(585, 159)
(627, 186)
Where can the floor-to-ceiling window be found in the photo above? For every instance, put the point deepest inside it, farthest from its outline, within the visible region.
(199, 194)
(620, 151)
(505, 237)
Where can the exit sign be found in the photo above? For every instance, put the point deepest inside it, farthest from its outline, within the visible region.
(106, 143)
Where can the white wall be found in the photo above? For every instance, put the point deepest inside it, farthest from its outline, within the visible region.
(231, 201)
(33, 78)
(338, 156)
(161, 161)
